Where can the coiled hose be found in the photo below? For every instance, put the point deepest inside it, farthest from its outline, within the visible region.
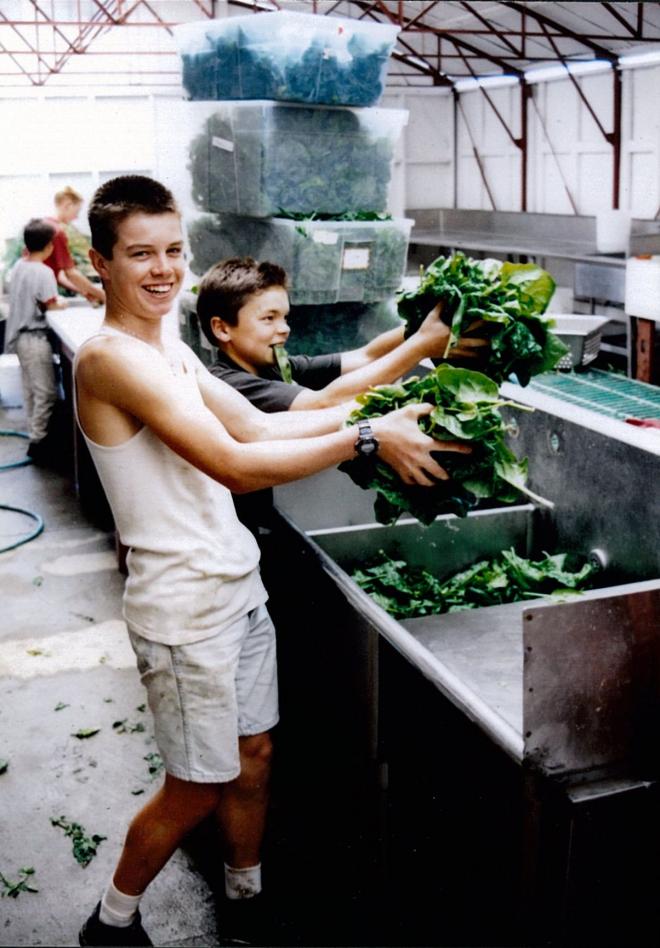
(39, 524)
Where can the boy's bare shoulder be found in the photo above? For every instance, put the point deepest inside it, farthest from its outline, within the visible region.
(119, 357)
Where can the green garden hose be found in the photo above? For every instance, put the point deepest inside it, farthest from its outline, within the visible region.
(9, 433)
(39, 524)
(30, 536)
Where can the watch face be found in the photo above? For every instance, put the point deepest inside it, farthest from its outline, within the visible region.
(367, 447)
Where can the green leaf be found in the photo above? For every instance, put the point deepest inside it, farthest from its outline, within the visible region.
(126, 727)
(13, 889)
(84, 846)
(85, 732)
(60, 706)
(283, 364)
(155, 762)
(4, 766)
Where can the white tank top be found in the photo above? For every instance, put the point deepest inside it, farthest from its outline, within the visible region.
(192, 565)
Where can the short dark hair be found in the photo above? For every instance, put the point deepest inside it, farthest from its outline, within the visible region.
(227, 286)
(120, 197)
(37, 234)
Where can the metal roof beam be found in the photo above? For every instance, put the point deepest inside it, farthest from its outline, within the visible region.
(504, 66)
(617, 16)
(491, 27)
(524, 8)
(518, 142)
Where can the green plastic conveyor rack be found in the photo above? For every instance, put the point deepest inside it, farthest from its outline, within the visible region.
(603, 392)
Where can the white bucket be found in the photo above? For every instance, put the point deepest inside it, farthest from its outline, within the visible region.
(11, 389)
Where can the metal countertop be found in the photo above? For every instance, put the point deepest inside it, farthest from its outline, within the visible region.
(501, 243)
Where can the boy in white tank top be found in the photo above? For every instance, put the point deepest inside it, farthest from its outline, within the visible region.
(171, 443)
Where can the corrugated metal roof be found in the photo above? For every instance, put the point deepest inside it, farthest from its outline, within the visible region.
(129, 42)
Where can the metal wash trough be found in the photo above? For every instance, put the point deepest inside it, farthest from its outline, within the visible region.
(567, 693)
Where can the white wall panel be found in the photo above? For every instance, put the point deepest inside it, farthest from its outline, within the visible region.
(594, 181)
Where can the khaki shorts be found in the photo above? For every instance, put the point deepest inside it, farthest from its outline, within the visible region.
(206, 695)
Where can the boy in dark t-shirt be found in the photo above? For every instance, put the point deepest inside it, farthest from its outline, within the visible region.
(242, 309)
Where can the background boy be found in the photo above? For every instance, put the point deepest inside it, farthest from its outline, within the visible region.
(33, 291)
(170, 442)
(67, 208)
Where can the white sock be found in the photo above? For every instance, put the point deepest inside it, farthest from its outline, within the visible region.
(117, 908)
(242, 883)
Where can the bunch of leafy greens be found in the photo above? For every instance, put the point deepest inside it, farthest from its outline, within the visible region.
(406, 591)
(465, 410)
(84, 847)
(254, 159)
(503, 302)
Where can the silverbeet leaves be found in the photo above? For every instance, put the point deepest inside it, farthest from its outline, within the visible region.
(506, 301)
(407, 592)
(465, 409)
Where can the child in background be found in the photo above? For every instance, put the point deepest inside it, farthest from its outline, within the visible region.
(33, 291)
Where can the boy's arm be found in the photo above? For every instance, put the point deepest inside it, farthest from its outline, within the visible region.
(245, 421)
(117, 382)
(75, 280)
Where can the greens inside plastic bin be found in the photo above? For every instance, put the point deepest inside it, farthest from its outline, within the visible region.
(261, 159)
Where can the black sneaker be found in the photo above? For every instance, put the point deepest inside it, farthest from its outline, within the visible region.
(249, 922)
(96, 932)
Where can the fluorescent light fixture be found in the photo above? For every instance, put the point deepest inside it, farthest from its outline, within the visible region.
(630, 60)
(546, 73)
(487, 82)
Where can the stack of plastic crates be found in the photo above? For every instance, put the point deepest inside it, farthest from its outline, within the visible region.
(290, 162)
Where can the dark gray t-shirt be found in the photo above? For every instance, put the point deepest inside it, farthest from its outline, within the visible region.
(269, 393)
(267, 390)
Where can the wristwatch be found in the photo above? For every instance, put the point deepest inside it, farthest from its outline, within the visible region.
(366, 444)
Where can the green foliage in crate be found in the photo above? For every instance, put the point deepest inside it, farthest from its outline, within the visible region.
(297, 159)
(314, 252)
(318, 330)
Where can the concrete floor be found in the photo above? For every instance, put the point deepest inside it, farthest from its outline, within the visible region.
(63, 642)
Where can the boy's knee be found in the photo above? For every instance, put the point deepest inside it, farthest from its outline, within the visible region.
(257, 749)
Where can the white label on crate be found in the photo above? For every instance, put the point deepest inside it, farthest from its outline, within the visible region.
(355, 258)
(329, 237)
(222, 143)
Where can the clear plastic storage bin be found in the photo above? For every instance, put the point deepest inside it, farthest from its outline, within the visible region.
(315, 330)
(259, 159)
(326, 261)
(338, 327)
(286, 56)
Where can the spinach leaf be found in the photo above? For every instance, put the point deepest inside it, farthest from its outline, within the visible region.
(283, 364)
(507, 300)
(84, 847)
(13, 889)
